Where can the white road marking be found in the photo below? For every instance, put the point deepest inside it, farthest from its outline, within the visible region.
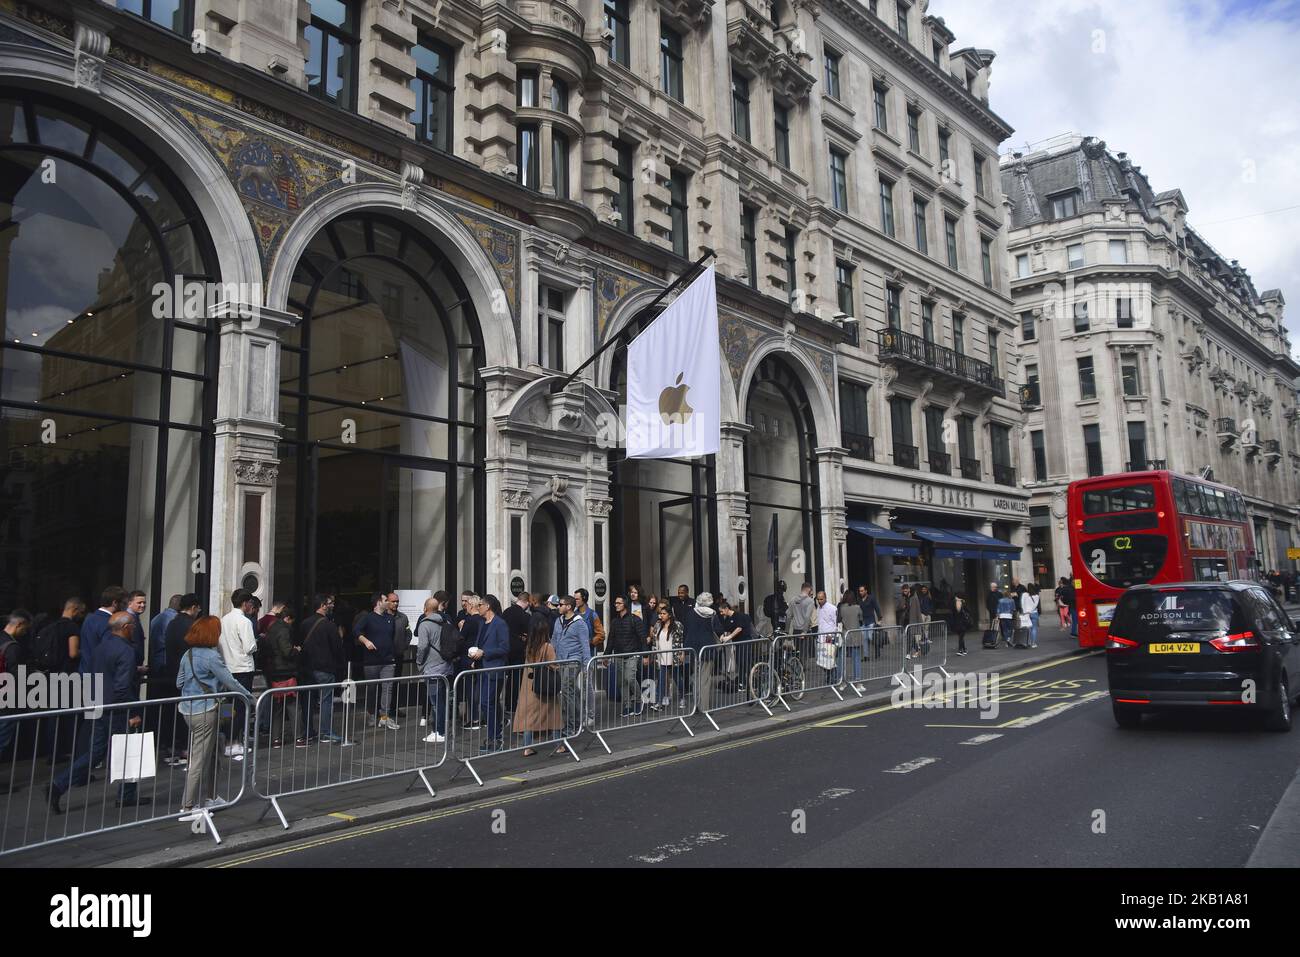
(908, 766)
(665, 851)
(982, 739)
(1055, 710)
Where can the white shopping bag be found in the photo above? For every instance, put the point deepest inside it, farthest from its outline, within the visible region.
(349, 689)
(132, 757)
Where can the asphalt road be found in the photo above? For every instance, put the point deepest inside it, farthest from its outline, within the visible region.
(1050, 781)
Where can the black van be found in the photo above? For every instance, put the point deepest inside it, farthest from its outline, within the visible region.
(1202, 644)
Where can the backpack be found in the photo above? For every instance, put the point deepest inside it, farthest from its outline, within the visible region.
(7, 645)
(448, 640)
(546, 681)
(44, 655)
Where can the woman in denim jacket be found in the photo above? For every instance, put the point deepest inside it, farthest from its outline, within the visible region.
(202, 672)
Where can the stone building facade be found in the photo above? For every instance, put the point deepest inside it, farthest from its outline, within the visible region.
(1142, 347)
(390, 231)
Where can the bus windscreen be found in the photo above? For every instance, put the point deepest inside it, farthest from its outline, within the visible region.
(1122, 561)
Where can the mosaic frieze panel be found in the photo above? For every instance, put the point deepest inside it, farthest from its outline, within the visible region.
(502, 248)
(611, 288)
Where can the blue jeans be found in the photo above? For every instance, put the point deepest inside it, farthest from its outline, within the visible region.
(854, 662)
(489, 706)
(79, 774)
(324, 718)
(1033, 629)
(1074, 620)
(438, 704)
(670, 673)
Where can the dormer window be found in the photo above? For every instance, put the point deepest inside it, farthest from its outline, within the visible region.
(1065, 206)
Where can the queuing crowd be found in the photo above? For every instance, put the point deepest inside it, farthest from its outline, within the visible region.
(201, 656)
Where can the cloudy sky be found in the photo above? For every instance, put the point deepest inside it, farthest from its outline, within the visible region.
(1204, 95)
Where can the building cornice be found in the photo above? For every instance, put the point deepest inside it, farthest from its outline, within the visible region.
(878, 35)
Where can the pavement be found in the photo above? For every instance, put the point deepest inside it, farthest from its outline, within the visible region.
(247, 825)
(1049, 781)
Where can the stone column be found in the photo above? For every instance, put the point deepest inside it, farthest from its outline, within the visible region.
(732, 503)
(246, 461)
(834, 530)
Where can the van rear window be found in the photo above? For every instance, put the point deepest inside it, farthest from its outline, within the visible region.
(1154, 615)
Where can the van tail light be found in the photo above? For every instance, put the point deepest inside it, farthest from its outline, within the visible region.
(1116, 643)
(1241, 641)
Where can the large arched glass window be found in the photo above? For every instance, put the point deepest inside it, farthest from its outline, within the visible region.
(780, 476)
(382, 408)
(663, 529)
(106, 404)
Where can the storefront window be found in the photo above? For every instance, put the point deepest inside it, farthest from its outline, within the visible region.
(382, 410)
(105, 403)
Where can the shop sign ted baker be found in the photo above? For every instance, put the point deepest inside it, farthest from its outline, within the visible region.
(961, 498)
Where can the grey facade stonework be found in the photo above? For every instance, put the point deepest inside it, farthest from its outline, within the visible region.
(1187, 356)
(269, 167)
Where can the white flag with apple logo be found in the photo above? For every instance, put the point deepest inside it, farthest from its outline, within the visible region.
(674, 378)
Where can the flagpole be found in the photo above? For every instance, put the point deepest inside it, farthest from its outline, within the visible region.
(690, 275)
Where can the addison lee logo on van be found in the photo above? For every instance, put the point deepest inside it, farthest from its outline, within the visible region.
(76, 910)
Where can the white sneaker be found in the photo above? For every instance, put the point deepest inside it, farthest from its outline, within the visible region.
(435, 738)
(389, 724)
(214, 802)
(234, 750)
(424, 722)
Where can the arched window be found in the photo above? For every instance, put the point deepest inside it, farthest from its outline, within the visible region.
(780, 477)
(383, 408)
(106, 400)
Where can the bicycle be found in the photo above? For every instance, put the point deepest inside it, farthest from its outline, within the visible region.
(766, 684)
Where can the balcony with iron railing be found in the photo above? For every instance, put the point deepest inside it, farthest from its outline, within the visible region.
(940, 462)
(1030, 396)
(907, 456)
(970, 469)
(1226, 429)
(970, 374)
(1149, 465)
(1004, 475)
(860, 446)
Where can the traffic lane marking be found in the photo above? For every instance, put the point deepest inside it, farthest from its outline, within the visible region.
(980, 738)
(664, 851)
(1029, 720)
(881, 709)
(907, 767)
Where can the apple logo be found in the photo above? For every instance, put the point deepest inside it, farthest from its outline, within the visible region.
(673, 408)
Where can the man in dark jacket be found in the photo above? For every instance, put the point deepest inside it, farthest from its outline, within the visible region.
(701, 628)
(991, 599)
(492, 653)
(174, 648)
(115, 660)
(280, 665)
(375, 633)
(626, 637)
(95, 628)
(518, 617)
(320, 661)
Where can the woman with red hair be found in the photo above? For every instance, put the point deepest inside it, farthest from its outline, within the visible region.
(203, 673)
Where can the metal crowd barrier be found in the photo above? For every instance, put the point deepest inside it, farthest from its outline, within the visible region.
(733, 664)
(821, 661)
(884, 650)
(129, 765)
(927, 647)
(310, 748)
(654, 681)
(487, 701)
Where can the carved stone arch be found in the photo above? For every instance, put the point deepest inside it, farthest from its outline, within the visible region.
(166, 135)
(500, 342)
(823, 409)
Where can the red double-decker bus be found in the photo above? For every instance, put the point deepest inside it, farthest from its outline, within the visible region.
(1139, 527)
